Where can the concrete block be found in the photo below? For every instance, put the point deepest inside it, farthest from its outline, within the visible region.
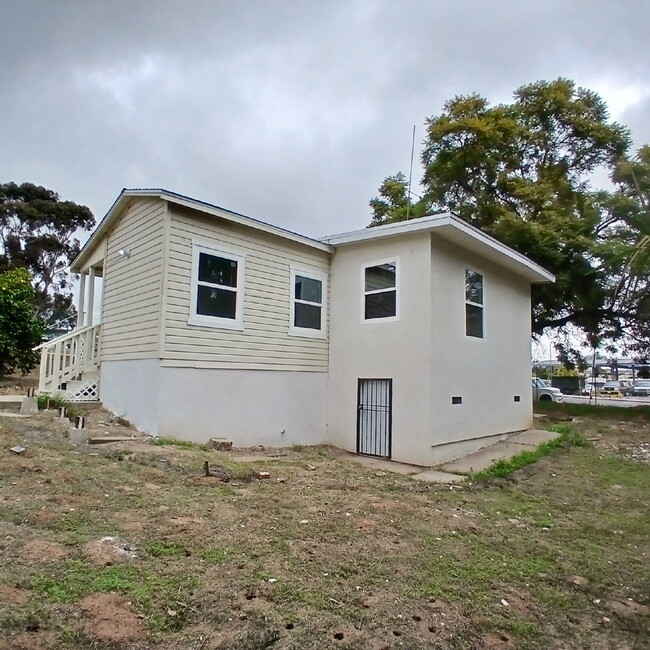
(29, 406)
(77, 436)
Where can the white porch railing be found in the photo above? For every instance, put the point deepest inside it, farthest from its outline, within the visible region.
(70, 364)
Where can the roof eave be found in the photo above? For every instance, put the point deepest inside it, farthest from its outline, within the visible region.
(465, 233)
(126, 194)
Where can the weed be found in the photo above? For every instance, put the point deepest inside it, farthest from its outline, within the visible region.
(184, 444)
(50, 400)
(165, 548)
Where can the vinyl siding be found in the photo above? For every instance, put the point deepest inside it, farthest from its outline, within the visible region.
(264, 343)
(132, 286)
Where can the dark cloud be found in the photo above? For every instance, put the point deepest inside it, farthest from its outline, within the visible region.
(291, 111)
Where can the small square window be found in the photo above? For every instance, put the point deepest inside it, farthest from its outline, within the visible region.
(517, 398)
(457, 400)
(380, 291)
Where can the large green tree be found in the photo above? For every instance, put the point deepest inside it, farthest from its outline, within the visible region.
(523, 172)
(20, 329)
(38, 233)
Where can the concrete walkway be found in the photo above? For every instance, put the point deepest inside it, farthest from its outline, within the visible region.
(455, 471)
(513, 445)
(414, 471)
(11, 399)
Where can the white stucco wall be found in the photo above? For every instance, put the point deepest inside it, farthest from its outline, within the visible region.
(426, 351)
(399, 349)
(487, 373)
(249, 407)
(131, 389)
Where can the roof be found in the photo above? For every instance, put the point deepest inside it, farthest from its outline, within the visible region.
(126, 195)
(457, 231)
(446, 225)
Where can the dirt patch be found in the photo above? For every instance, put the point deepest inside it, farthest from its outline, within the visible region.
(110, 550)
(30, 641)
(40, 551)
(495, 642)
(627, 608)
(111, 618)
(13, 595)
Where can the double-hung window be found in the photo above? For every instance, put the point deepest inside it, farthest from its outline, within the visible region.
(217, 287)
(473, 304)
(380, 290)
(308, 296)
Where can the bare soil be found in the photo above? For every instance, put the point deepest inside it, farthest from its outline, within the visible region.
(129, 546)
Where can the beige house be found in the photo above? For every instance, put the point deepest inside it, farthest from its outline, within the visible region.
(409, 341)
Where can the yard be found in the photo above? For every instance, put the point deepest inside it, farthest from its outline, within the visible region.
(129, 545)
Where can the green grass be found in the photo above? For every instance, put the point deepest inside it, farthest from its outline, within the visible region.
(183, 444)
(504, 467)
(165, 548)
(594, 411)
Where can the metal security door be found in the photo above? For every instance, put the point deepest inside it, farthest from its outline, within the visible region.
(374, 417)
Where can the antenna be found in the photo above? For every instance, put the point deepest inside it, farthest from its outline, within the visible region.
(408, 192)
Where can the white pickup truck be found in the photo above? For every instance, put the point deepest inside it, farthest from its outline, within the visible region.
(544, 392)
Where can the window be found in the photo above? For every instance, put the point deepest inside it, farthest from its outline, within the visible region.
(307, 303)
(473, 304)
(217, 295)
(380, 290)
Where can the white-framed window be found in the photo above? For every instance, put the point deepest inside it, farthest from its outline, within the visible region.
(308, 303)
(380, 290)
(474, 304)
(217, 298)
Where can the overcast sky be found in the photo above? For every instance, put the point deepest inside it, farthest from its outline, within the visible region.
(289, 111)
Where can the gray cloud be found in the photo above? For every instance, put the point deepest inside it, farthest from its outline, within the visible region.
(290, 111)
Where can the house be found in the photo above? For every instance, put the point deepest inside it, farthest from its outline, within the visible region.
(409, 341)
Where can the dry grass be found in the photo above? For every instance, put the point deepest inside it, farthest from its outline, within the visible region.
(336, 557)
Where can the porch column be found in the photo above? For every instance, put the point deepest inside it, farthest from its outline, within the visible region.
(82, 301)
(91, 295)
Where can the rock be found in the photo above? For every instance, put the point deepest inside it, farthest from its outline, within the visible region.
(220, 444)
(579, 581)
(263, 475)
(110, 550)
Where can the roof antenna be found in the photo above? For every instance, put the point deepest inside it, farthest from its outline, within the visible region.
(408, 193)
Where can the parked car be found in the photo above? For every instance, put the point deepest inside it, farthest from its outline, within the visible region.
(641, 387)
(544, 392)
(593, 386)
(613, 389)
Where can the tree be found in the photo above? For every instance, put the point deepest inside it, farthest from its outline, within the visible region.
(20, 329)
(522, 172)
(37, 232)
